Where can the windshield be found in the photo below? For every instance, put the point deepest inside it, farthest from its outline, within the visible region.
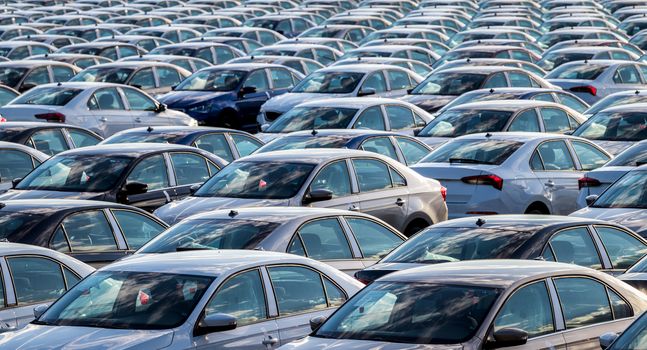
(577, 71)
(329, 83)
(104, 75)
(11, 76)
(306, 118)
(630, 126)
(303, 142)
(76, 173)
(454, 84)
(258, 180)
(418, 313)
(321, 32)
(128, 300)
(633, 156)
(210, 234)
(628, 192)
(555, 59)
(13, 224)
(473, 151)
(50, 96)
(612, 101)
(143, 137)
(263, 23)
(455, 123)
(212, 80)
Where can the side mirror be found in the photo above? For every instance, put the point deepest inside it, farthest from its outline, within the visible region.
(317, 196)
(506, 337)
(215, 323)
(173, 87)
(316, 322)
(135, 188)
(366, 92)
(416, 132)
(15, 182)
(409, 91)
(246, 90)
(39, 310)
(264, 127)
(193, 189)
(607, 339)
(160, 108)
(26, 86)
(591, 199)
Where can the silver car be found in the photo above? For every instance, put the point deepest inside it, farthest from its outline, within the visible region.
(481, 304)
(31, 276)
(616, 99)
(331, 178)
(104, 108)
(16, 161)
(240, 299)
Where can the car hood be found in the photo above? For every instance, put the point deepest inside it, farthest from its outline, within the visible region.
(36, 194)
(188, 98)
(176, 211)
(285, 102)
(36, 337)
(614, 147)
(430, 103)
(635, 219)
(314, 343)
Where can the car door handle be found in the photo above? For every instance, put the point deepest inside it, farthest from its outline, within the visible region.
(353, 208)
(400, 202)
(550, 183)
(138, 120)
(103, 119)
(270, 342)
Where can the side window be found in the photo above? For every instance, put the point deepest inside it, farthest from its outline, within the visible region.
(62, 73)
(620, 56)
(375, 240)
(525, 121)
(518, 79)
(371, 118)
(189, 168)
(297, 289)
(412, 150)
(107, 99)
(39, 50)
(544, 97)
(570, 101)
(245, 286)
(82, 138)
(35, 279)
(151, 171)
(216, 144)
(535, 162)
(37, 76)
(335, 178)
(281, 78)
(371, 175)
(257, 80)
(336, 296)
(18, 53)
(324, 240)
(584, 301)
(224, 54)
(400, 117)
(619, 306)
(422, 57)
(14, 164)
(110, 53)
(535, 318)
(555, 156)
(138, 101)
(137, 228)
(143, 79)
(354, 35)
(589, 156)
(575, 246)
(380, 145)
(283, 27)
(245, 144)
(396, 178)
(623, 249)
(168, 76)
(126, 51)
(520, 55)
(626, 75)
(50, 141)
(89, 231)
(399, 80)
(376, 82)
(555, 120)
(496, 80)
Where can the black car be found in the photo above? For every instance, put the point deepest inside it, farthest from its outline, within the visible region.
(597, 244)
(144, 175)
(91, 231)
(228, 144)
(49, 138)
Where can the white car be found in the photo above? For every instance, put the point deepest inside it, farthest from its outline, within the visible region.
(104, 108)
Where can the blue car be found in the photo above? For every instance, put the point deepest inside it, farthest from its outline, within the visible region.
(231, 95)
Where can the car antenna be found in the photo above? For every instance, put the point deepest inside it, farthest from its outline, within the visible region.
(232, 213)
(314, 132)
(491, 90)
(488, 135)
(149, 129)
(2, 205)
(59, 84)
(637, 92)
(480, 222)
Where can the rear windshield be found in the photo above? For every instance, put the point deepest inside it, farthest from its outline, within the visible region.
(449, 84)
(52, 96)
(12, 223)
(615, 127)
(633, 156)
(462, 122)
(577, 71)
(612, 101)
(473, 151)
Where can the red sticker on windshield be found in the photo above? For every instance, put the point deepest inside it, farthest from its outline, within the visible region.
(143, 298)
(262, 184)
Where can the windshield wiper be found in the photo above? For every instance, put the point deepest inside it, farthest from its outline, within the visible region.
(468, 161)
(43, 323)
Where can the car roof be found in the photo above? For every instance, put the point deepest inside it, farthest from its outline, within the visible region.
(178, 129)
(505, 105)
(309, 156)
(271, 214)
(359, 68)
(343, 133)
(29, 63)
(515, 136)
(135, 64)
(29, 125)
(244, 66)
(48, 206)
(627, 108)
(128, 149)
(524, 222)
(351, 102)
(588, 49)
(478, 69)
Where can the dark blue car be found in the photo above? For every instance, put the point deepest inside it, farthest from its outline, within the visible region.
(231, 95)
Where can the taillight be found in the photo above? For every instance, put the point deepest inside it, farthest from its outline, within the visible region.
(52, 117)
(588, 182)
(359, 278)
(443, 193)
(586, 89)
(489, 179)
(2, 119)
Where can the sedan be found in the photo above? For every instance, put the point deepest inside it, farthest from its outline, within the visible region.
(113, 50)
(617, 99)
(143, 175)
(480, 304)
(81, 61)
(556, 58)
(49, 138)
(214, 53)
(330, 178)
(208, 299)
(512, 172)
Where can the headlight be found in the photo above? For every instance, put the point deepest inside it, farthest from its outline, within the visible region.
(203, 108)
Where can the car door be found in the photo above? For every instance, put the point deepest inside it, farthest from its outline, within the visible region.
(626, 77)
(376, 82)
(190, 169)
(380, 145)
(144, 110)
(249, 103)
(152, 171)
(136, 228)
(558, 176)
(373, 238)
(554, 120)
(242, 295)
(623, 248)
(49, 141)
(335, 177)
(109, 110)
(575, 246)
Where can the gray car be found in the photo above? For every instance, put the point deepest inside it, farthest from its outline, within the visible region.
(330, 178)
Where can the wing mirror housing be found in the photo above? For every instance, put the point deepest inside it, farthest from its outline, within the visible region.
(607, 339)
(366, 92)
(135, 188)
(193, 189)
(317, 196)
(15, 182)
(507, 337)
(161, 108)
(39, 310)
(316, 322)
(264, 127)
(215, 323)
(246, 90)
(417, 131)
(591, 199)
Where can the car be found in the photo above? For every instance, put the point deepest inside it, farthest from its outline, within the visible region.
(624, 202)
(288, 25)
(76, 59)
(213, 299)
(16, 161)
(154, 78)
(140, 174)
(334, 43)
(414, 32)
(103, 108)
(596, 244)
(556, 58)
(342, 81)
(262, 35)
(57, 41)
(487, 34)
(553, 37)
(192, 64)
(350, 18)
(214, 53)
(405, 149)
(87, 32)
(228, 144)
(32, 276)
(512, 172)
(243, 44)
(406, 63)
(596, 42)
(630, 339)
(95, 232)
(320, 178)
(480, 304)
(214, 20)
(320, 53)
(173, 33)
(420, 54)
(488, 51)
(432, 45)
(303, 65)
(141, 20)
(495, 115)
(146, 42)
(113, 50)
(352, 33)
(528, 66)
(10, 31)
(615, 99)
(69, 20)
(231, 95)
(583, 20)
(48, 138)
(23, 75)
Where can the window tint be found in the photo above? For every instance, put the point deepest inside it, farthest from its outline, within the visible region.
(71, 279)
(627, 75)
(143, 79)
(335, 178)
(324, 239)
(281, 78)
(544, 97)
(371, 118)
(50, 142)
(619, 306)
(536, 318)
(336, 296)
(422, 57)
(555, 120)
(376, 82)
(623, 249)
(575, 246)
(375, 240)
(400, 117)
(14, 164)
(168, 76)
(555, 156)
(297, 289)
(151, 171)
(62, 73)
(245, 144)
(412, 150)
(89, 231)
(525, 121)
(398, 180)
(82, 138)
(137, 228)
(589, 156)
(258, 80)
(59, 242)
(496, 80)
(138, 101)
(189, 168)
(37, 77)
(518, 79)
(380, 145)
(584, 301)
(216, 144)
(573, 103)
(399, 80)
(36, 279)
(241, 296)
(107, 99)
(371, 175)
